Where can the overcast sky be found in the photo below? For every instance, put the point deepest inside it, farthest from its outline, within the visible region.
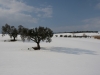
(59, 15)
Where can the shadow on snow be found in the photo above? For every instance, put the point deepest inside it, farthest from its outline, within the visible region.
(69, 50)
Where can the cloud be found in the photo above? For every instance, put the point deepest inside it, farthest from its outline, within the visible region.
(15, 6)
(87, 24)
(68, 28)
(47, 11)
(44, 12)
(92, 23)
(17, 12)
(97, 6)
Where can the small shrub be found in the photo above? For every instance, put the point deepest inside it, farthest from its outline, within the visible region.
(74, 36)
(84, 35)
(80, 36)
(61, 35)
(69, 36)
(96, 37)
(65, 35)
(56, 35)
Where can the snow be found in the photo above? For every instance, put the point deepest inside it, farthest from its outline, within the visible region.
(79, 34)
(63, 56)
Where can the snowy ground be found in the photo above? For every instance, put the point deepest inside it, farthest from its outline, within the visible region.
(63, 56)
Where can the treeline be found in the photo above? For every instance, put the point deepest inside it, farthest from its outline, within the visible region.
(84, 32)
(74, 36)
(78, 32)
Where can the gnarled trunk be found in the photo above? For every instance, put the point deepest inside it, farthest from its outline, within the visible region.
(14, 39)
(38, 45)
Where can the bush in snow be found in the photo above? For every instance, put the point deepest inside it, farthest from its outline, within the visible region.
(65, 35)
(96, 37)
(61, 35)
(69, 35)
(56, 35)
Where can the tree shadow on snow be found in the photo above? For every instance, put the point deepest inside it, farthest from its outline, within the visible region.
(70, 50)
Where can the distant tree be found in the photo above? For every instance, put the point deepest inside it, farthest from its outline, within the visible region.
(84, 35)
(37, 35)
(74, 36)
(65, 35)
(56, 35)
(61, 35)
(69, 35)
(10, 30)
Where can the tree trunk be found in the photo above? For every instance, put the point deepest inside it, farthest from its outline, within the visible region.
(14, 38)
(38, 45)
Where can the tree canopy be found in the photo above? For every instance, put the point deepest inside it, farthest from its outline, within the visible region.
(10, 30)
(37, 34)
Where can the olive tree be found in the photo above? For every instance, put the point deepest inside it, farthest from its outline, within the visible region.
(37, 35)
(10, 30)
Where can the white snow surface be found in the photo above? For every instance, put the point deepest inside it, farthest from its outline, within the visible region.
(63, 56)
(79, 34)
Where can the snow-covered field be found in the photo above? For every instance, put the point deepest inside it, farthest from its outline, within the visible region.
(63, 56)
